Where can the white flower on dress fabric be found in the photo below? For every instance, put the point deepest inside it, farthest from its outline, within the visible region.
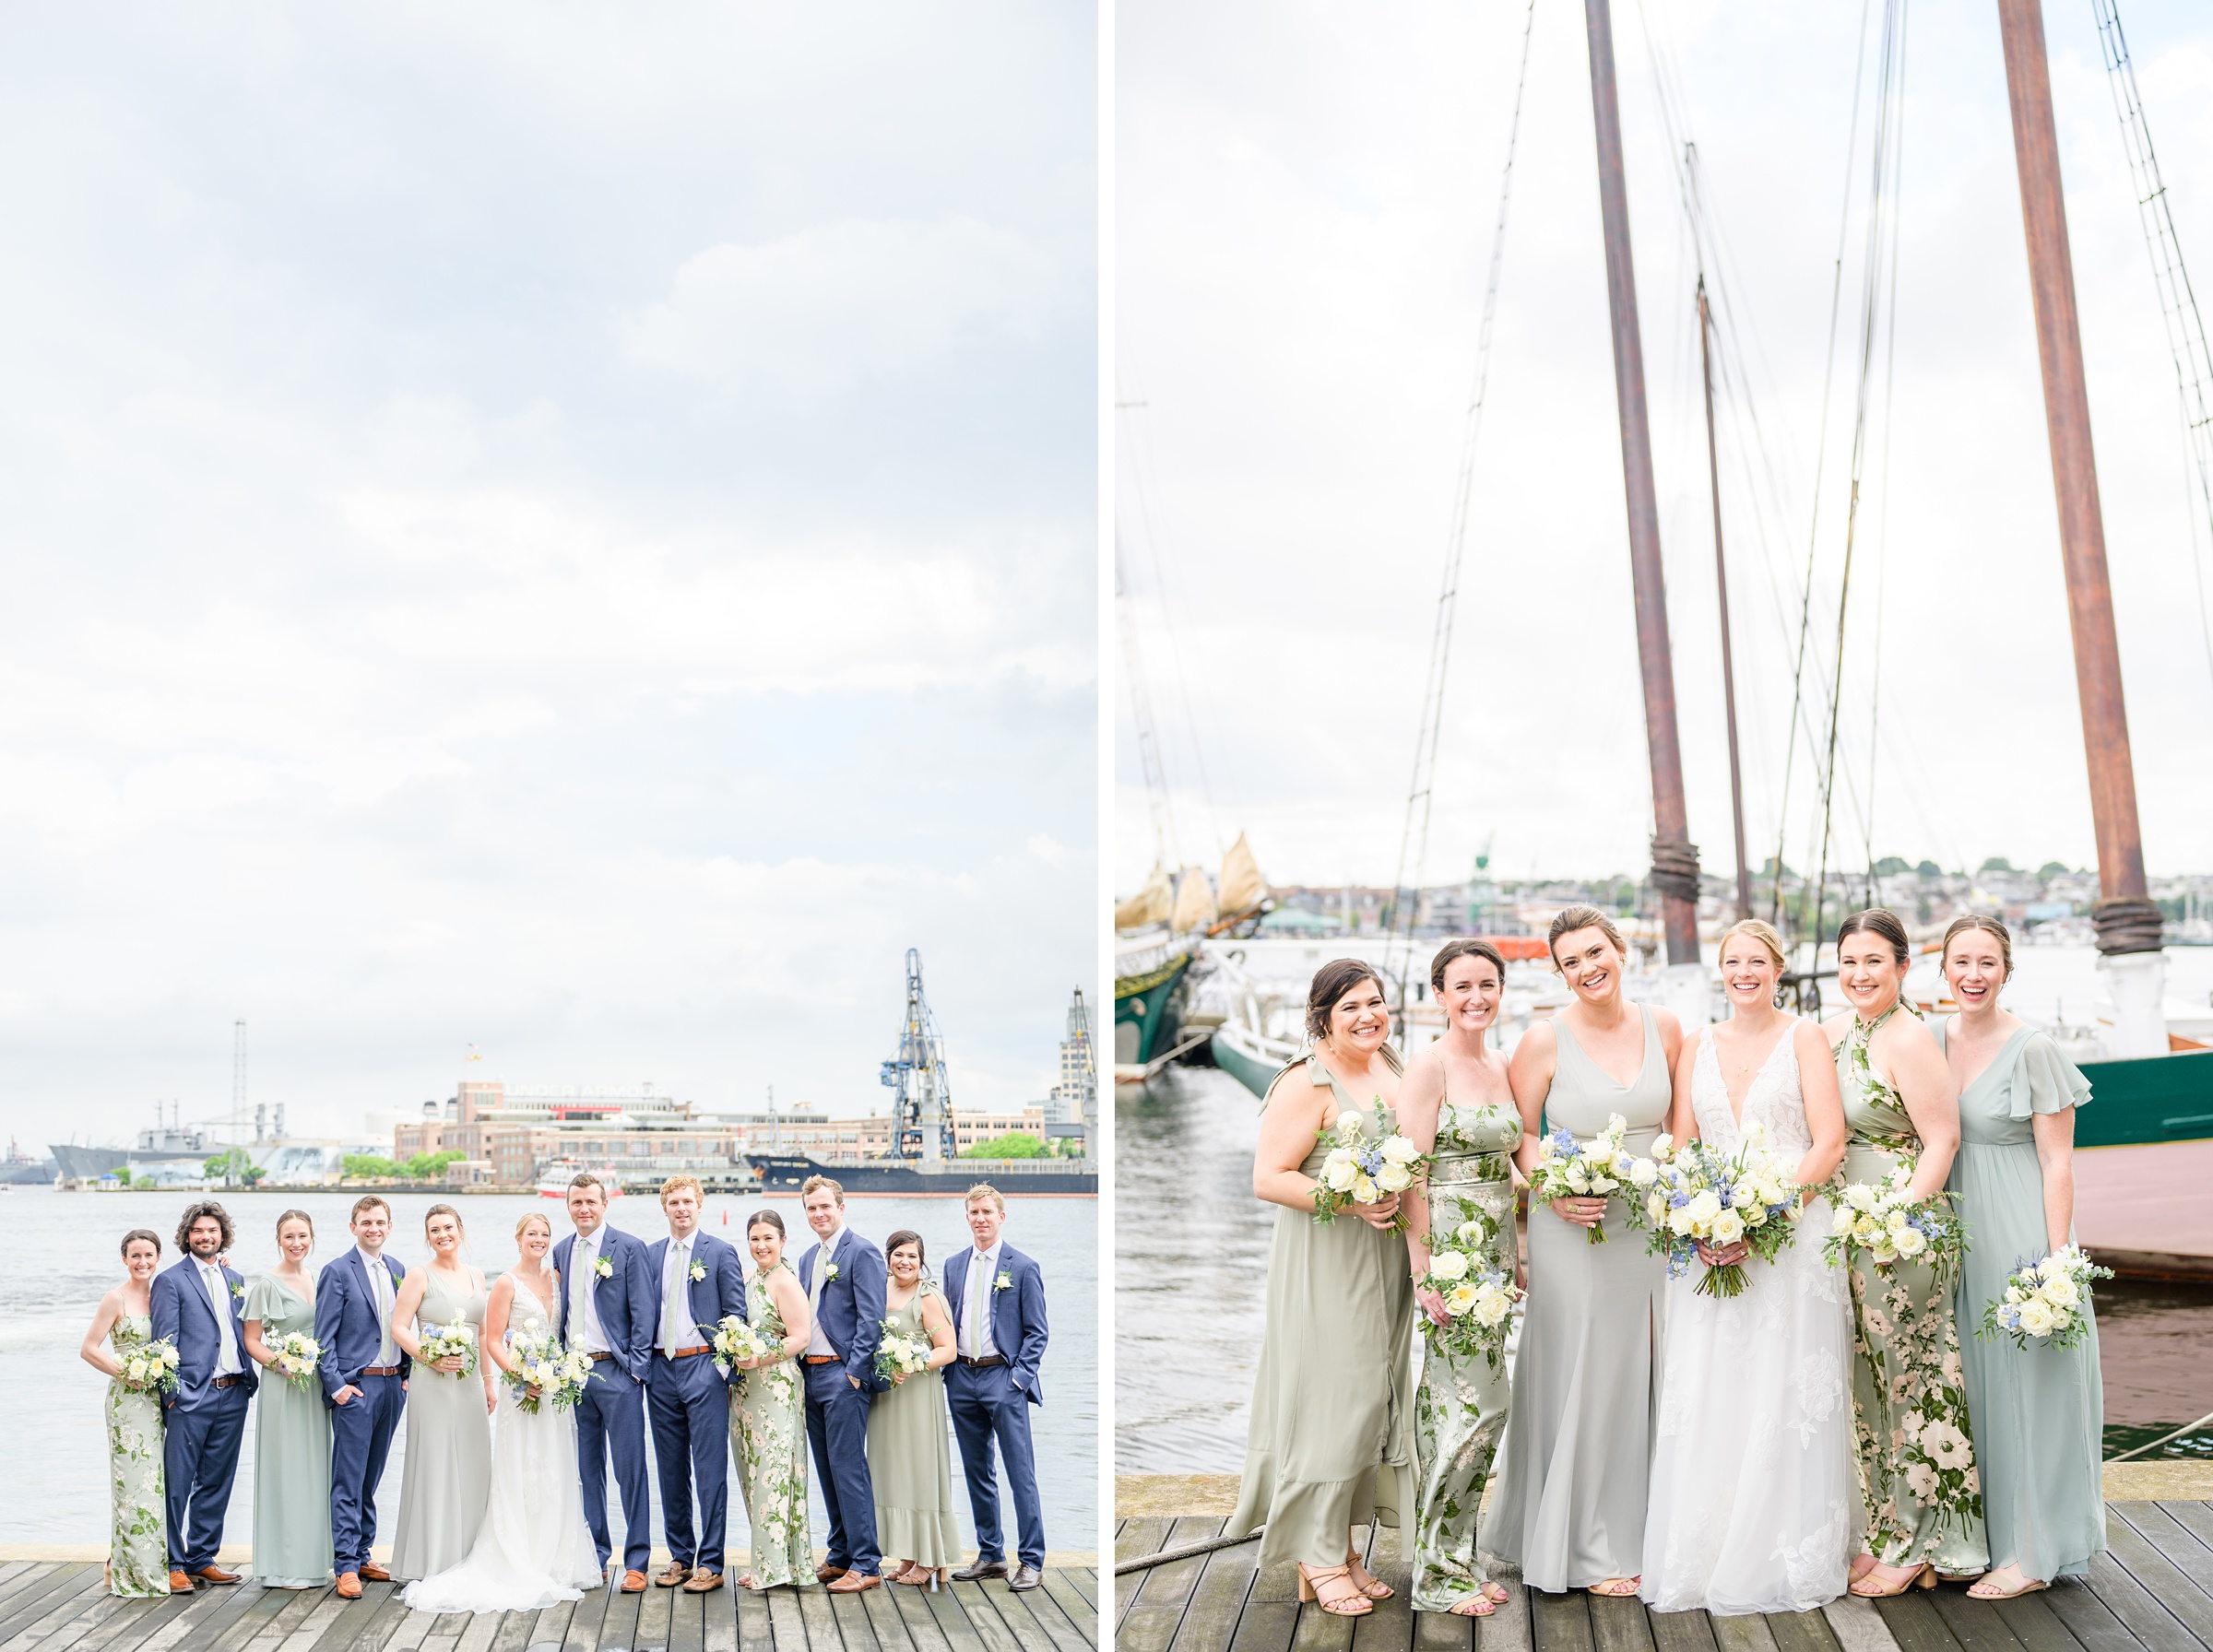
(1921, 1480)
(1900, 1386)
(1974, 1479)
(1878, 1325)
(1449, 1264)
(1947, 1445)
(1954, 1372)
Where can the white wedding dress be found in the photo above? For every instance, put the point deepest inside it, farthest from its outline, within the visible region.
(533, 1548)
(1753, 1482)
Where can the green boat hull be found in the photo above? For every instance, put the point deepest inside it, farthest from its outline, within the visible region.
(1151, 1007)
(1240, 1065)
(2162, 1098)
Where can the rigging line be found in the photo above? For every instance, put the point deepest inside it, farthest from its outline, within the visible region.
(1813, 537)
(1162, 807)
(2178, 298)
(1413, 837)
(1882, 523)
(1140, 452)
(1890, 106)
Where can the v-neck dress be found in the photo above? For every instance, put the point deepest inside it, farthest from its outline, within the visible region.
(2039, 1412)
(291, 1454)
(1569, 1507)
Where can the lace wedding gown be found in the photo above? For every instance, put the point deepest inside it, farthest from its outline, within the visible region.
(533, 1550)
(1753, 1487)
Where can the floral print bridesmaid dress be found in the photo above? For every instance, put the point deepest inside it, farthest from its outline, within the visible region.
(768, 1432)
(138, 1546)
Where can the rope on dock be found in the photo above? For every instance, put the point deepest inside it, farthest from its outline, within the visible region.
(1184, 1551)
(2163, 1439)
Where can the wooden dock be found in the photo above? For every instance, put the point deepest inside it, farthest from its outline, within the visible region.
(63, 1606)
(2151, 1592)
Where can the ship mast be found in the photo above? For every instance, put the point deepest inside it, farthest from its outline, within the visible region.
(1674, 857)
(1720, 585)
(2128, 921)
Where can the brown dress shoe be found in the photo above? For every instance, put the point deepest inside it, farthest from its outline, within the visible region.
(854, 1583)
(215, 1574)
(675, 1572)
(349, 1586)
(374, 1572)
(704, 1582)
(180, 1583)
(828, 1573)
(633, 1583)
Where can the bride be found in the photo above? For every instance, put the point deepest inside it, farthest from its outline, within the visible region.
(533, 1548)
(1751, 1486)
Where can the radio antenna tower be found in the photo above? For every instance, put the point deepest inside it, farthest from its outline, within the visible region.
(923, 1114)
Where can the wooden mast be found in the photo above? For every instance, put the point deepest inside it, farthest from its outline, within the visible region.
(1675, 858)
(2127, 920)
(1720, 586)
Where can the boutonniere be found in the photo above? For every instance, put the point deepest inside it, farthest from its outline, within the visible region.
(1004, 1281)
(699, 1273)
(238, 1292)
(829, 1271)
(605, 1267)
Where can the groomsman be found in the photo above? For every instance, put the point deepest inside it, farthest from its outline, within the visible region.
(843, 1277)
(608, 1310)
(195, 1306)
(687, 1395)
(997, 1295)
(365, 1377)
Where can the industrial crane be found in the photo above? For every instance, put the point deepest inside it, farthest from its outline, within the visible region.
(924, 1109)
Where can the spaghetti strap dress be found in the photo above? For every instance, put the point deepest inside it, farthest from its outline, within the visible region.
(2038, 1412)
(1329, 1446)
(1570, 1502)
(1921, 1490)
(447, 1474)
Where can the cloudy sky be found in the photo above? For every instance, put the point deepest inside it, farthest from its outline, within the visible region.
(563, 531)
(1305, 198)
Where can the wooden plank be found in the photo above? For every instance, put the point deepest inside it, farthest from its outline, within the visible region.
(2031, 1618)
(123, 1627)
(199, 1616)
(410, 1632)
(856, 1632)
(1136, 1538)
(1858, 1624)
(619, 1629)
(1155, 1610)
(327, 1608)
(1209, 1620)
(49, 1594)
(2133, 1606)
(1682, 1632)
(2193, 1516)
(2182, 1600)
(1620, 1624)
(1067, 1590)
(688, 1617)
(2177, 1543)
(550, 1627)
(68, 1619)
(1086, 1580)
(947, 1613)
(1802, 1631)
(657, 1610)
(1913, 1622)
(1265, 1625)
(1508, 1629)
(36, 1581)
(367, 1622)
(885, 1619)
(787, 1626)
(513, 1632)
(2087, 1619)
(1748, 1633)
(1390, 1626)
(816, 1613)
(19, 1574)
(1974, 1625)
(975, 1604)
(584, 1619)
(1017, 1615)
(721, 1619)
(289, 1619)
(1561, 1623)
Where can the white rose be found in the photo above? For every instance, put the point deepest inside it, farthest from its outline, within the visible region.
(1860, 1197)
(1472, 1232)
(1754, 1215)
(1728, 1228)
(1576, 1181)
(1681, 1220)
(1909, 1241)
(1896, 1222)
(1394, 1177)
(1364, 1191)
(1400, 1150)
(1493, 1308)
(1867, 1230)
(2053, 1265)
(2061, 1292)
(1656, 1208)
(1839, 1219)
(1459, 1299)
(1663, 1147)
(1449, 1264)
(2036, 1317)
(1337, 1172)
(1704, 1207)
(1643, 1172)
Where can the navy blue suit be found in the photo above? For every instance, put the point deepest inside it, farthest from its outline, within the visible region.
(611, 1418)
(361, 1430)
(689, 1400)
(992, 1402)
(851, 1313)
(202, 1424)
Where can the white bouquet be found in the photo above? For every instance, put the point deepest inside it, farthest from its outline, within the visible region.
(1478, 1301)
(449, 1342)
(1879, 1217)
(1698, 1194)
(541, 1363)
(150, 1368)
(2044, 1299)
(1593, 1170)
(898, 1355)
(735, 1342)
(296, 1358)
(1359, 1169)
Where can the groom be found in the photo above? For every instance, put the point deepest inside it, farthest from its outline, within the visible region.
(997, 1295)
(843, 1277)
(687, 1393)
(609, 1311)
(365, 1377)
(196, 1308)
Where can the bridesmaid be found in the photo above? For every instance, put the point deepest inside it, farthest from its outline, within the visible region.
(292, 1426)
(1924, 1513)
(1460, 1406)
(768, 1424)
(1569, 1508)
(910, 1456)
(138, 1540)
(1328, 1447)
(448, 1472)
(2038, 1411)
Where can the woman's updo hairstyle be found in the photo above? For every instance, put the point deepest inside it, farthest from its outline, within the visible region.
(298, 1215)
(530, 1217)
(766, 1219)
(1990, 927)
(1760, 930)
(1331, 983)
(459, 1226)
(1454, 949)
(1881, 922)
(135, 1234)
(1581, 916)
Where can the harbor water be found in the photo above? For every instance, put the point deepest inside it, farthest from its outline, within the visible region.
(1191, 1261)
(63, 1251)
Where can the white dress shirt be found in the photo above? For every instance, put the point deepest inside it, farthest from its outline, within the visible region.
(381, 1290)
(218, 1298)
(818, 1340)
(583, 1305)
(974, 1339)
(679, 1330)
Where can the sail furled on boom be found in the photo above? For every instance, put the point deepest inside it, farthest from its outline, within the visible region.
(1151, 904)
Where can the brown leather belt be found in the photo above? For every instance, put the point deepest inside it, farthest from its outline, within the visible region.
(380, 1371)
(824, 1359)
(226, 1381)
(682, 1353)
(598, 1357)
(990, 1359)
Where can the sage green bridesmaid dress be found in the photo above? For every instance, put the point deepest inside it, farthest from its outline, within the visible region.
(1460, 1406)
(768, 1437)
(1330, 1444)
(291, 1454)
(1918, 1477)
(139, 1542)
(2038, 1412)
(447, 1476)
(1569, 1507)
(911, 1455)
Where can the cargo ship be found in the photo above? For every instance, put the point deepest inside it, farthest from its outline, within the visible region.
(784, 1174)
